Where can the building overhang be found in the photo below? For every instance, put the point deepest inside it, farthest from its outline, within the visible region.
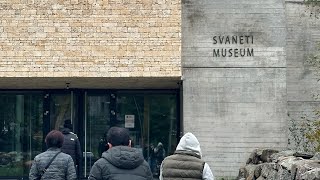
(90, 82)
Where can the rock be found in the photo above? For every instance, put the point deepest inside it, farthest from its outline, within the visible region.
(249, 170)
(276, 156)
(254, 157)
(259, 156)
(313, 174)
(287, 162)
(300, 167)
(285, 165)
(250, 177)
(260, 178)
(304, 155)
(269, 171)
(266, 154)
(257, 171)
(283, 174)
(316, 156)
(242, 173)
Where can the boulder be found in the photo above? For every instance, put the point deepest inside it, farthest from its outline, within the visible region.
(269, 171)
(242, 173)
(257, 171)
(270, 164)
(316, 156)
(249, 171)
(266, 154)
(260, 178)
(288, 161)
(313, 174)
(254, 157)
(304, 155)
(274, 157)
(259, 156)
(283, 174)
(301, 167)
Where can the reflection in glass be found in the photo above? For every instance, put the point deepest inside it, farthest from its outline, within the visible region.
(21, 135)
(155, 124)
(97, 122)
(60, 110)
(150, 117)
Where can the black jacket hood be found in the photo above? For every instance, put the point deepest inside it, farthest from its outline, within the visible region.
(124, 157)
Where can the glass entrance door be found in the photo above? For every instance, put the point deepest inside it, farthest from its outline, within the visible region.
(59, 107)
(27, 116)
(21, 133)
(152, 120)
(90, 116)
(97, 118)
(151, 117)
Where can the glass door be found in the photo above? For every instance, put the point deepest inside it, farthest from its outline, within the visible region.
(152, 119)
(90, 116)
(59, 107)
(97, 120)
(21, 133)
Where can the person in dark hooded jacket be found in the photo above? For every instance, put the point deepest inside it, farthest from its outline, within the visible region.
(71, 144)
(120, 161)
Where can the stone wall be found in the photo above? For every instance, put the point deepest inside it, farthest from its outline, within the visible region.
(303, 41)
(90, 38)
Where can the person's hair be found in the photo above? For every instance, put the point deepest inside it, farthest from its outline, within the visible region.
(54, 139)
(67, 124)
(118, 136)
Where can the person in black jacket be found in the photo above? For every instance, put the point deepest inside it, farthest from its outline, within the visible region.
(71, 144)
(120, 161)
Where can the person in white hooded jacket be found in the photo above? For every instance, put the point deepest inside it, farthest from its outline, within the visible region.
(186, 161)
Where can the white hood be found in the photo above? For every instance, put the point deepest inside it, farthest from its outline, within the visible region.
(189, 142)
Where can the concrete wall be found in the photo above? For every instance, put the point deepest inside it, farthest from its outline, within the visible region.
(90, 38)
(234, 104)
(303, 41)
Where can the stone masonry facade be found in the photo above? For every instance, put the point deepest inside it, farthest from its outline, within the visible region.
(90, 38)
